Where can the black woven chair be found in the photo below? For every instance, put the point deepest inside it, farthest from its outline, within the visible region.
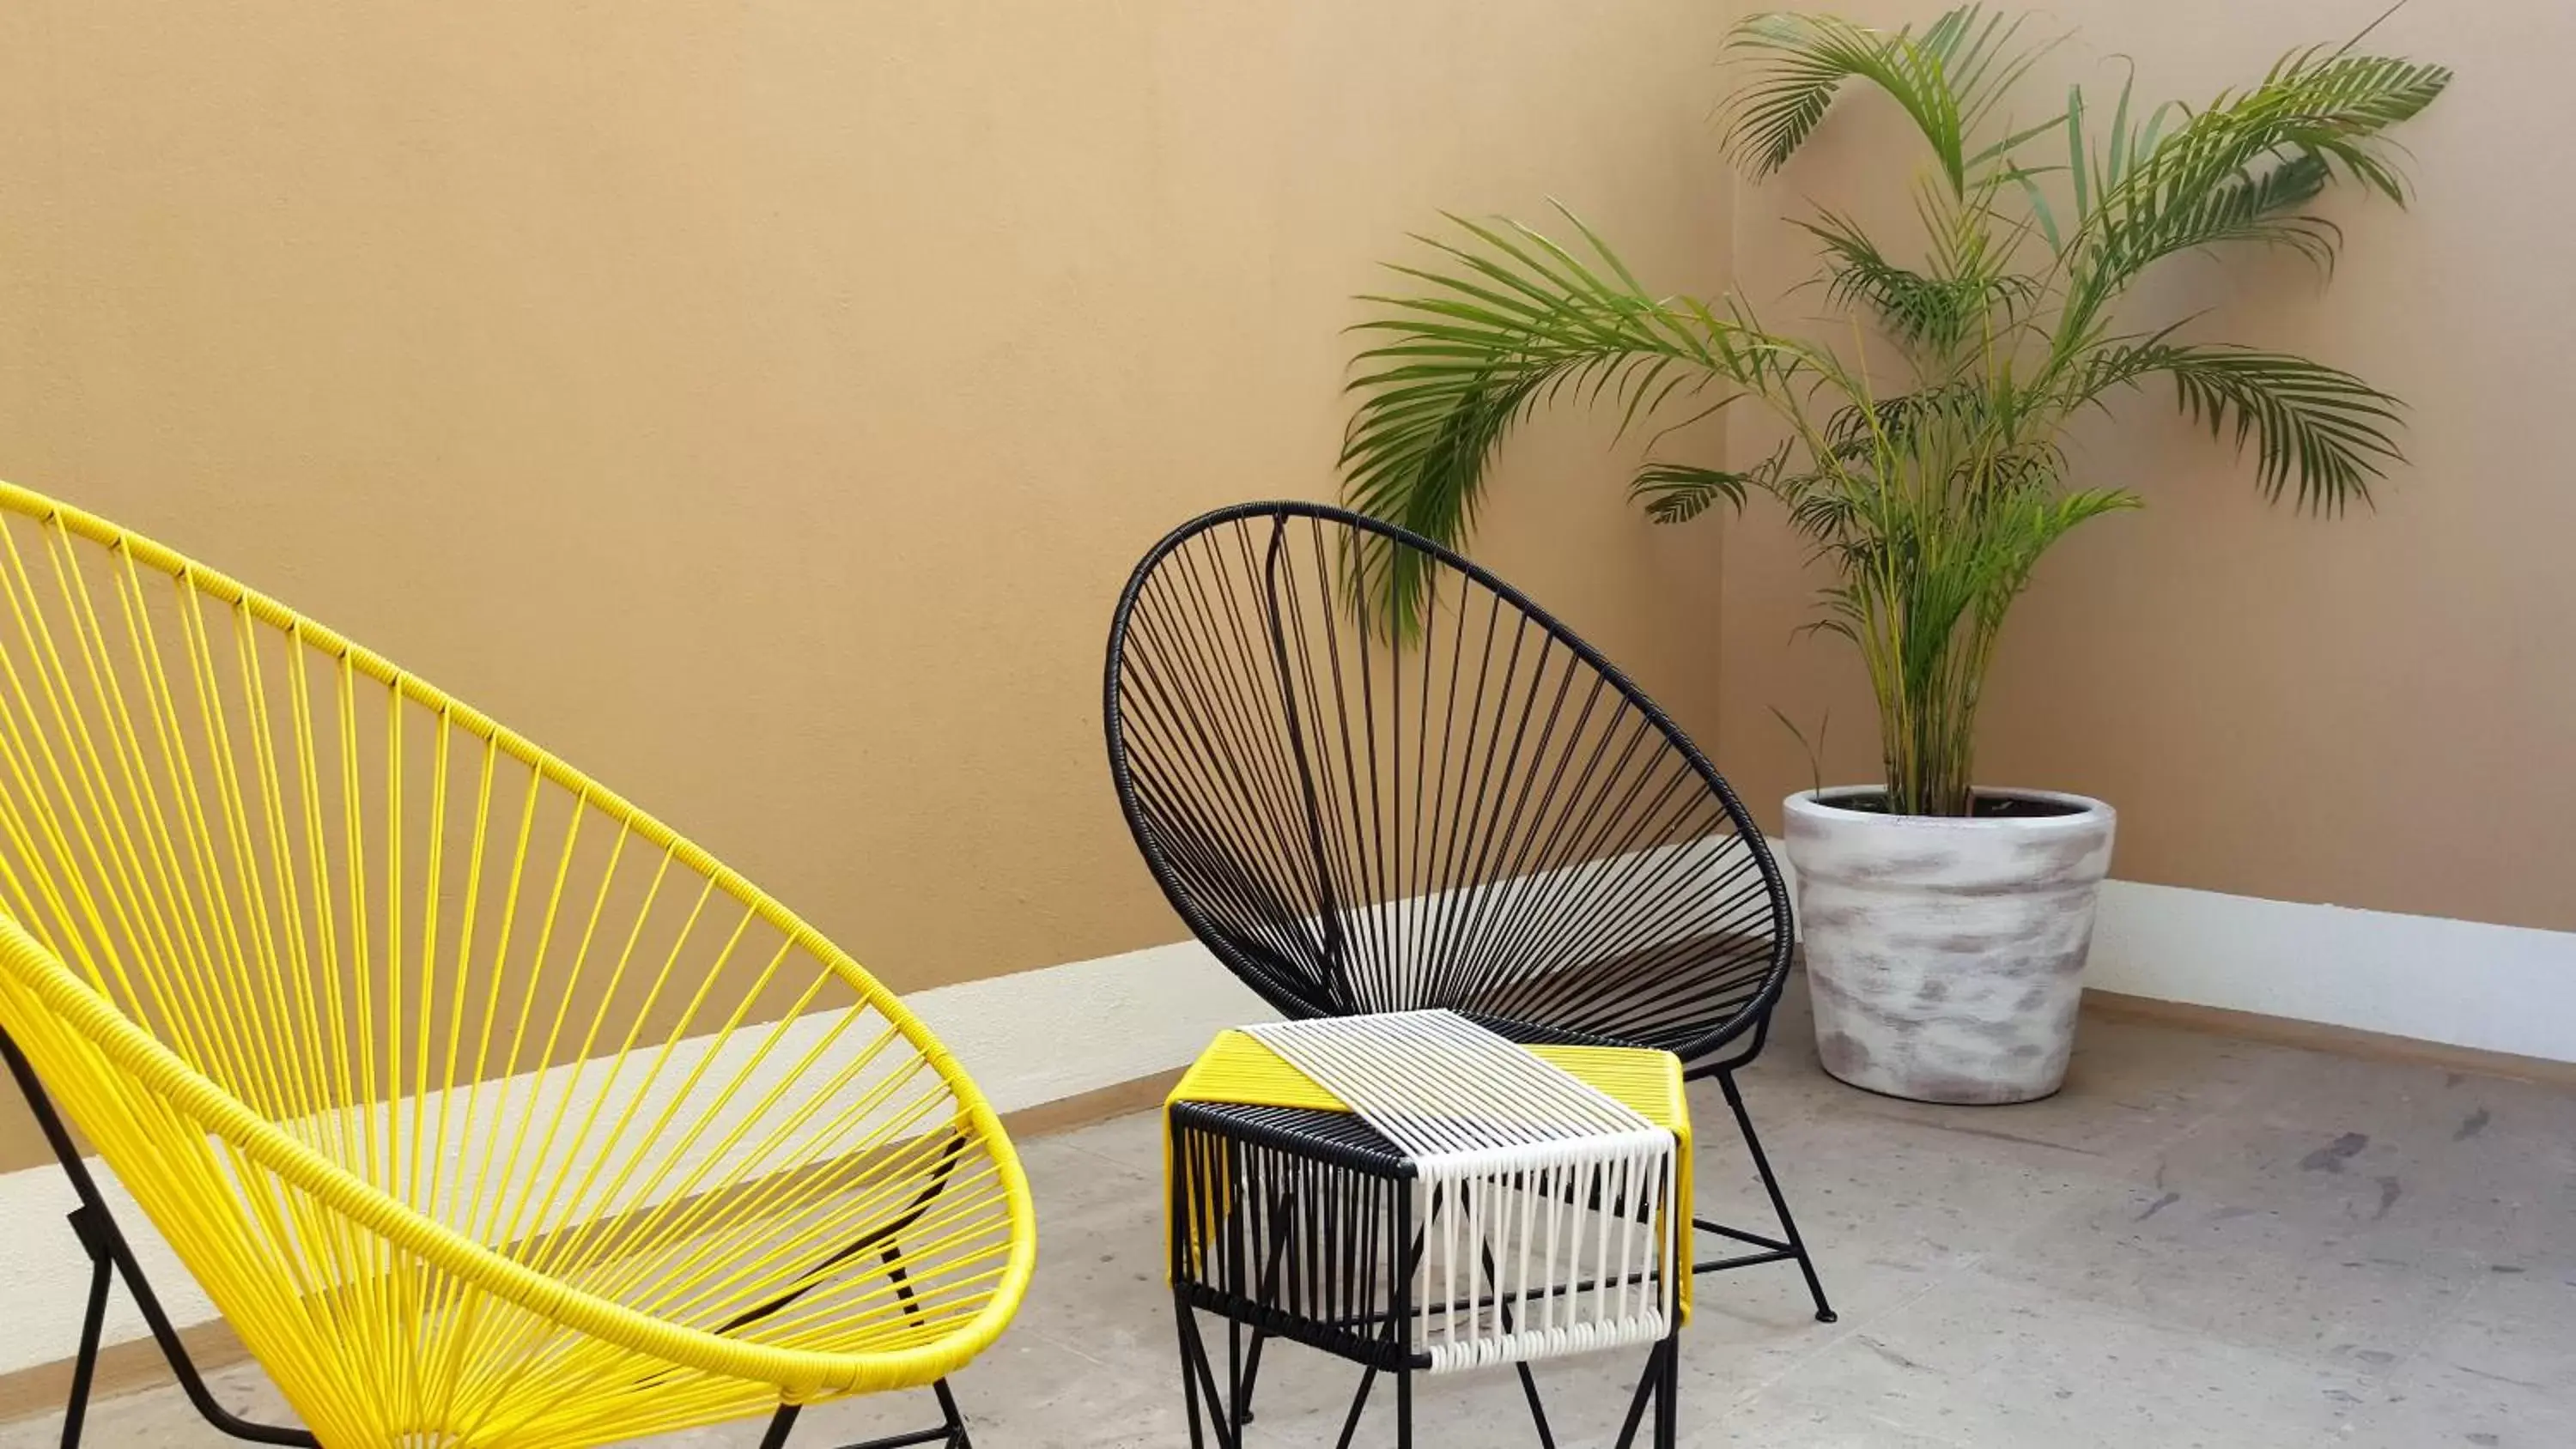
(1489, 817)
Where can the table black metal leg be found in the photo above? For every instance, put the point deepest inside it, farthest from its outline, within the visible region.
(1189, 1371)
(1668, 1398)
(1202, 1373)
(1660, 1384)
(1234, 1377)
(1359, 1401)
(1529, 1382)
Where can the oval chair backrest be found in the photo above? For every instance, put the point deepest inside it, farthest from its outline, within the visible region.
(1473, 810)
(482, 986)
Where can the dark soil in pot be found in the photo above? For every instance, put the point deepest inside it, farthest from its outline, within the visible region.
(1981, 806)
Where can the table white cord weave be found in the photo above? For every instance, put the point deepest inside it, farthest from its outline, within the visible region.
(1569, 1190)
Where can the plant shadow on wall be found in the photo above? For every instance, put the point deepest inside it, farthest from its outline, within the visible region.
(1931, 486)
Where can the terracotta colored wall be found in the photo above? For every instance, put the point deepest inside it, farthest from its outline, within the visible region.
(761, 403)
(2374, 711)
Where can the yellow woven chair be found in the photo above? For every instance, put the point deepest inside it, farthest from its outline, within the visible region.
(488, 1110)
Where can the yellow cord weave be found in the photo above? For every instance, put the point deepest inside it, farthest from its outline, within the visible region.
(1237, 1069)
(488, 1109)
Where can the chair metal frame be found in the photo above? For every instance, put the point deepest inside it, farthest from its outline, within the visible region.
(112, 1259)
(280, 1193)
(1715, 1048)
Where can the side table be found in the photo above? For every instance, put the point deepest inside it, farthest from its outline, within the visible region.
(1414, 1194)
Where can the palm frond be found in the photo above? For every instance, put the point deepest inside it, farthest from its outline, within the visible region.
(1916, 309)
(2235, 169)
(1823, 514)
(2316, 430)
(2258, 209)
(1508, 320)
(1680, 492)
(1937, 310)
(1947, 79)
(1982, 57)
(2035, 525)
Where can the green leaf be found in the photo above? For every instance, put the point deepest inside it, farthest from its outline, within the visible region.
(2315, 429)
(2040, 211)
(1507, 320)
(2231, 171)
(1946, 80)
(2079, 159)
(2116, 163)
(1678, 492)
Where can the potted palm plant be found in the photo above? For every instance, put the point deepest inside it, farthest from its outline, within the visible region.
(1946, 926)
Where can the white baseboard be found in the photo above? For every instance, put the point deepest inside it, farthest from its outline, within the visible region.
(2509, 989)
(1040, 1036)
(1026, 1038)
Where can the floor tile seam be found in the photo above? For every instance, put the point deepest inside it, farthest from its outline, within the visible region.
(2154, 1155)
(2107, 1195)
(2423, 1346)
(1848, 1329)
(2316, 1360)
(1916, 1431)
(1096, 1155)
(2157, 1147)
(2287, 1360)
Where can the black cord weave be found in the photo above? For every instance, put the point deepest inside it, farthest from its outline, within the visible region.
(1487, 817)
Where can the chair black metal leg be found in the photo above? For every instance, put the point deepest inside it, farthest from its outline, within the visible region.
(1789, 1248)
(1637, 1402)
(1796, 1246)
(951, 1428)
(76, 1410)
(175, 1353)
(105, 1243)
(952, 1424)
(956, 1422)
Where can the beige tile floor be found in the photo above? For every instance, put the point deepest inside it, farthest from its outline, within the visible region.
(2201, 1242)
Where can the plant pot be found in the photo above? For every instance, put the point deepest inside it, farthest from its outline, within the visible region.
(1946, 956)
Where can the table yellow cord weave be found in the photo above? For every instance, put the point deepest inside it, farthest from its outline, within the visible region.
(1239, 1070)
(488, 1110)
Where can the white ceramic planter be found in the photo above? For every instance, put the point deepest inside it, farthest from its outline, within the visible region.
(1946, 956)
